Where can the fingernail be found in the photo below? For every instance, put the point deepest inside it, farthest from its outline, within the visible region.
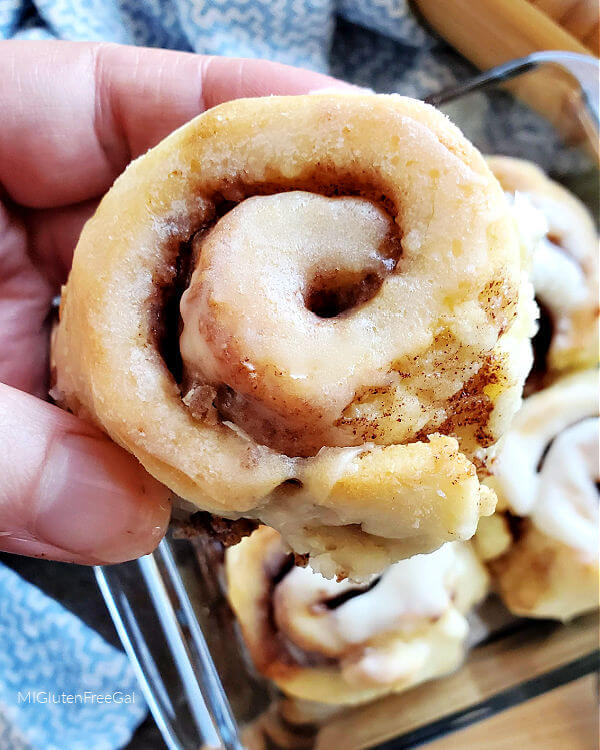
(96, 501)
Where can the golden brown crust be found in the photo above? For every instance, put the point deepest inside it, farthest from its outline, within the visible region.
(540, 577)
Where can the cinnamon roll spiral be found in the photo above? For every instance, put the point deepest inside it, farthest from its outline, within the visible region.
(341, 643)
(344, 275)
(543, 549)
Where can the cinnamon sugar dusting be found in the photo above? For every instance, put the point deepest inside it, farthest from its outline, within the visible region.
(471, 407)
(498, 299)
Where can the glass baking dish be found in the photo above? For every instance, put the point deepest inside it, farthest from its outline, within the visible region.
(170, 608)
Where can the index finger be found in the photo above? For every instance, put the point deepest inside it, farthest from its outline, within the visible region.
(74, 114)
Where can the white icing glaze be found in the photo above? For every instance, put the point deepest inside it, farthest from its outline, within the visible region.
(557, 278)
(563, 223)
(387, 665)
(414, 589)
(567, 507)
(556, 273)
(332, 331)
(531, 222)
(431, 652)
(409, 594)
(561, 498)
(287, 240)
(329, 466)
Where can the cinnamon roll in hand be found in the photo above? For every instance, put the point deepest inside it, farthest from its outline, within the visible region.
(308, 311)
(543, 549)
(343, 643)
(564, 272)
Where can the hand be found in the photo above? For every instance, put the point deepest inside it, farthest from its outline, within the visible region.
(72, 117)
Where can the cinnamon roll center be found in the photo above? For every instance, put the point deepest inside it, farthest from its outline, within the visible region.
(331, 295)
(333, 292)
(281, 284)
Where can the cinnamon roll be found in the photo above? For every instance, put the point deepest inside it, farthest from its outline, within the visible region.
(543, 549)
(343, 643)
(308, 311)
(564, 272)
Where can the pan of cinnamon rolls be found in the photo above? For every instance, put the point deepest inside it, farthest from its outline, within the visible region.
(345, 643)
(542, 547)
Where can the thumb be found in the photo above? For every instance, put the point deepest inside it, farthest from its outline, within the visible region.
(67, 492)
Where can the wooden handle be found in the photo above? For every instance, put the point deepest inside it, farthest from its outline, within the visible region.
(490, 32)
(579, 17)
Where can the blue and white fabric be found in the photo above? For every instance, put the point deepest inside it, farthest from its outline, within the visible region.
(297, 32)
(62, 687)
(379, 44)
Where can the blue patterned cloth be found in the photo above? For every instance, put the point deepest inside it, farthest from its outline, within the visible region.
(55, 676)
(379, 44)
(373, 42)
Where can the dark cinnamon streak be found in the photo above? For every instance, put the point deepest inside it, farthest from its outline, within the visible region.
(541, 344)
(164, 315)
(279, 651)
(346, 596)
(471, 407)
(223, 530)
(549, 445)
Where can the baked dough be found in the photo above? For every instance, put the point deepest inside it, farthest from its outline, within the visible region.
(564, 272)
(542, 544)
(543, 548)
(340, 643)
(354, 332)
